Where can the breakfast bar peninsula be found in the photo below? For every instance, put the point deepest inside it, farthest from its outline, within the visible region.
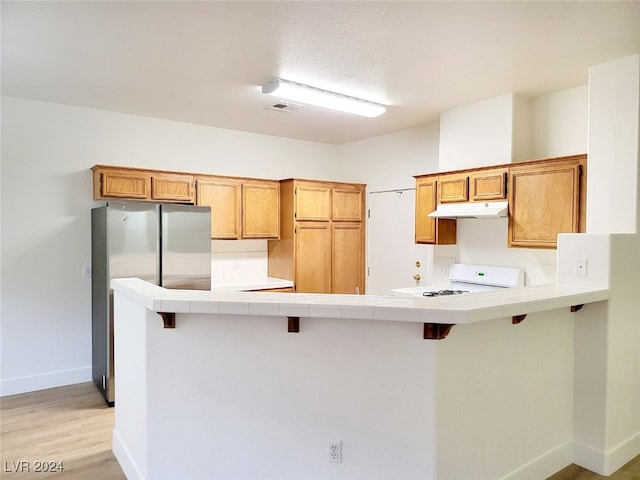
(252, 385)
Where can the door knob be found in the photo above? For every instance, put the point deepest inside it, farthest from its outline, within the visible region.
(417, 277)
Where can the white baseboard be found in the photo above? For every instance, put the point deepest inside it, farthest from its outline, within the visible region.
(43, 381)
(128, 465)
(545, 465)
(622, 453)
(606, 463)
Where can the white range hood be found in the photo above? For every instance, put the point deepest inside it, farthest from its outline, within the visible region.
(471, 210)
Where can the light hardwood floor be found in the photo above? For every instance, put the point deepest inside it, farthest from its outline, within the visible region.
(73, 425)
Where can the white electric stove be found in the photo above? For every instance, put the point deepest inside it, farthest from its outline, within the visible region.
(464, 278)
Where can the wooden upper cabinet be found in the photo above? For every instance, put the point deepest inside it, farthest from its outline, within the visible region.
(347, 203)
(110, 182)
(312, 201)
(487, 185)
(223, 196)
(545, 199)
(473, 186)
(426, 202)
(453, 188)
(172, 187)
(261, 209)
(138, 184)
(431, 230)
(240, 208)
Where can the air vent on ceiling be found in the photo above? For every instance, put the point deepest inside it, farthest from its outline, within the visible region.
(285, 107)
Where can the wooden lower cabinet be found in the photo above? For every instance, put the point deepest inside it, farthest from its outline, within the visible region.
(347, 262)
(313, 257)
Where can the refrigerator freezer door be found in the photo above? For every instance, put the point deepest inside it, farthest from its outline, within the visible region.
(185, 259)
(133, 241)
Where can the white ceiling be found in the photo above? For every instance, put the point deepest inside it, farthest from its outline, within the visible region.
(204, 62)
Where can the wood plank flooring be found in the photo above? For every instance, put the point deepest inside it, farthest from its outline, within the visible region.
(73, 425)
(630, 471)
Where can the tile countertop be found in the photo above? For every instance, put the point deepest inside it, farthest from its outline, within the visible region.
(455, 309)
(249, 285)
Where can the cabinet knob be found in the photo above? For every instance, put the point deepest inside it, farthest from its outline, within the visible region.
(417, 277)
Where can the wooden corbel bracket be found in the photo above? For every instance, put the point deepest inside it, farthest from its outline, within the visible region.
(516, 319)
(169, 319)
(436, 331)
(293, 324)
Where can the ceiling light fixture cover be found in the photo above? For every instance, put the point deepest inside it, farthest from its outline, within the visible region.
(322, 98)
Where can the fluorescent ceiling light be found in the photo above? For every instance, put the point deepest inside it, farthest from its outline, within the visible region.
(298, 92)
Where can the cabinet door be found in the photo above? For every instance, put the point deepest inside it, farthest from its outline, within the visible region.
(488, 185)
(441, 231)
(348, 258)
(223, 197)
(426, 189)
(313, 202)
(347, 204)
(544, 201)
(313, 257)
(261, 210)
(453, 188)
(121, 184)
(177, 188)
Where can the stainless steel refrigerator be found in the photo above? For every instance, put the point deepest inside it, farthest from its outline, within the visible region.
(165, 244)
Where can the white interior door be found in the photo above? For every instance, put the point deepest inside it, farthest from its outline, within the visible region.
(392, 256)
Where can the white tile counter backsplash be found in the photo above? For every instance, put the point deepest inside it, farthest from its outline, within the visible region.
(238, 261)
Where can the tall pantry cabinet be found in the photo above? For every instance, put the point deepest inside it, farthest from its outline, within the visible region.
(321, 245)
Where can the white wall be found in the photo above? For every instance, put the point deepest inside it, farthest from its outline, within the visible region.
(285, 396)
(47, 152)
(607, 419)
(489, 132)
(560, 123)
(511, 378)
(614, 146)
(497, 125)
(390, 161)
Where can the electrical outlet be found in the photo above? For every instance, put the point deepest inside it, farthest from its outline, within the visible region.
(335, 452)
(581, 267)
(86, 271)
